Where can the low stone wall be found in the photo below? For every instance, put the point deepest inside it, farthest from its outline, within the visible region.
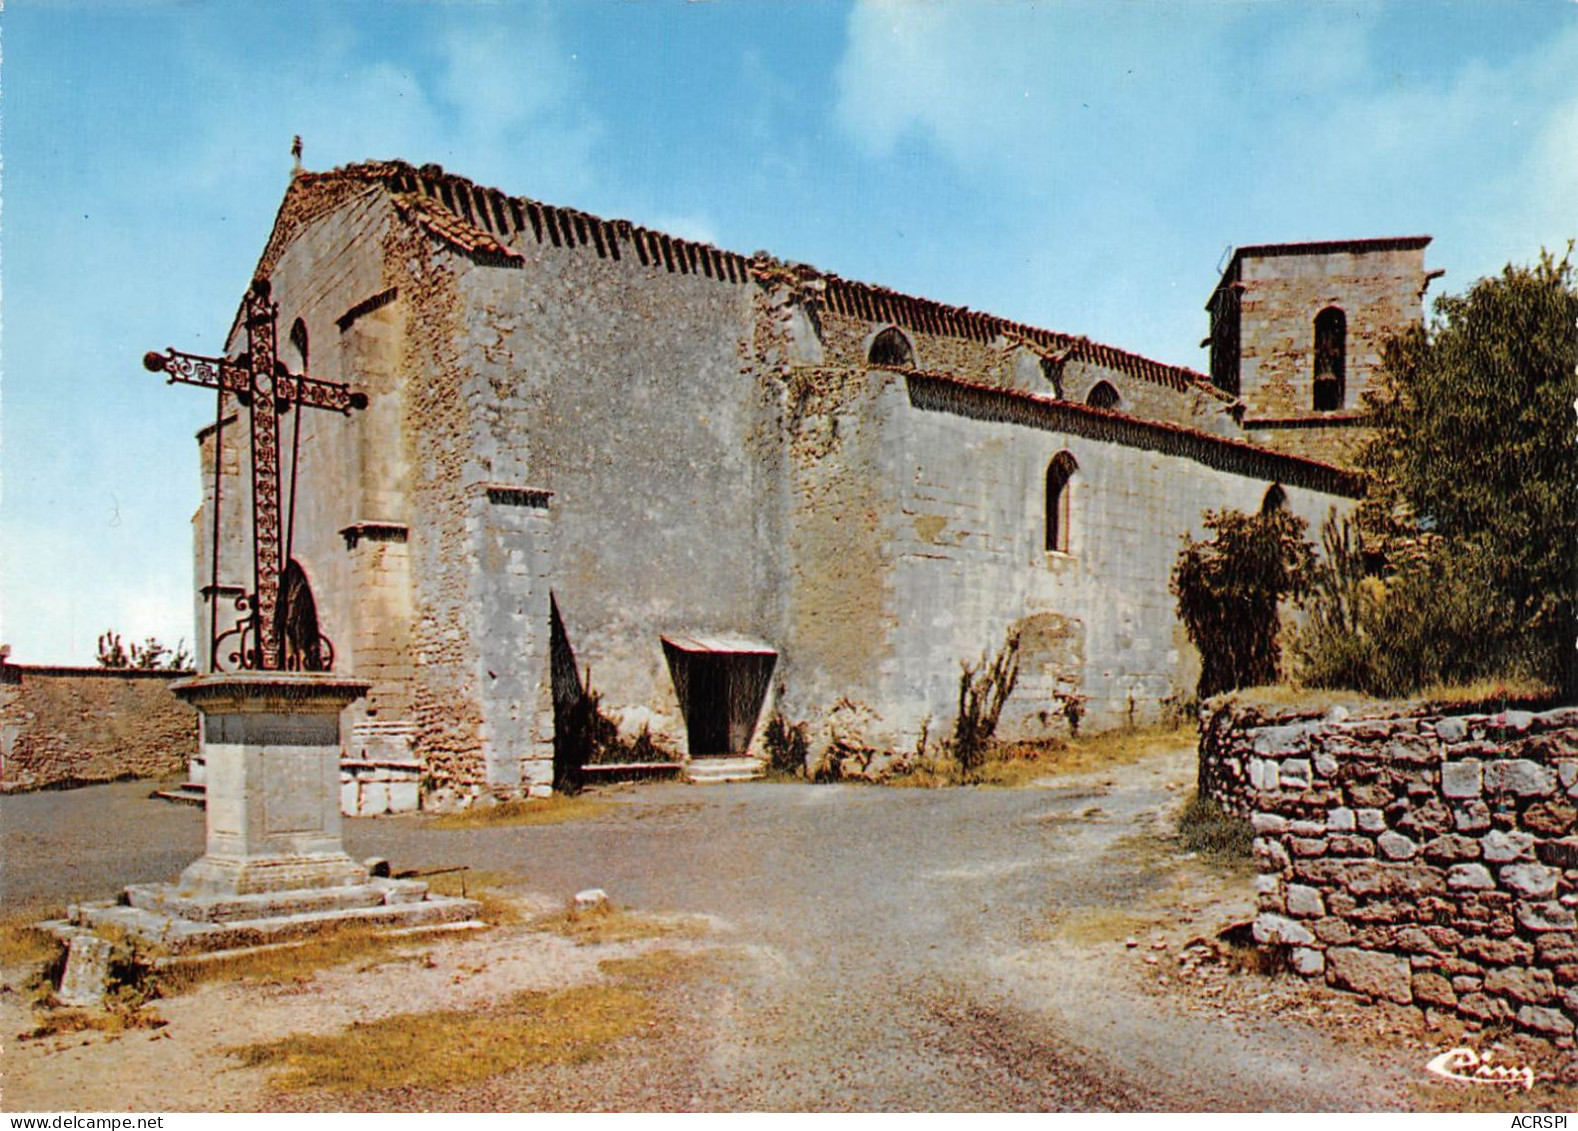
(64, 726)
(1424, 859)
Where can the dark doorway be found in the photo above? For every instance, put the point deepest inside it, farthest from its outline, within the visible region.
(721, 684)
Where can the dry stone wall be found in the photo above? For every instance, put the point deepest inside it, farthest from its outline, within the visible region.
(68, 726)
(1423, 859)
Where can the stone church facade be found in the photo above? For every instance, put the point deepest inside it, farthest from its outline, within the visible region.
(711, 486)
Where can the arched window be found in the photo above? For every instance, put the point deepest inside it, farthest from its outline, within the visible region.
(891, 347)
(1331, 347)
(1276, 499)
(1059, 472)
(306, 649)
(1104, 394)
(298, 338)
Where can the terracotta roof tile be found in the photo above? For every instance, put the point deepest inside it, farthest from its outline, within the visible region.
(470, 217)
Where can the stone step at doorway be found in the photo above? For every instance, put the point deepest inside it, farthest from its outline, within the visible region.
(187, 793)
(711, 770)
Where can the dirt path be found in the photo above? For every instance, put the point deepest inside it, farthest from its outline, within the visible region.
(869, 949)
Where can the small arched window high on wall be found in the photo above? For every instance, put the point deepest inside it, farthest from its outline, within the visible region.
(1059, 472)
(1276, 499)
(891, 347)
(1331, 348)
(1104, 394)
(298, 338)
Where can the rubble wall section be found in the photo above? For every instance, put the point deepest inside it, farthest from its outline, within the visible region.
(69, 726)
(1426, 860)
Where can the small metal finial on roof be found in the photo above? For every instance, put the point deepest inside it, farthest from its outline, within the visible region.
(295, 154)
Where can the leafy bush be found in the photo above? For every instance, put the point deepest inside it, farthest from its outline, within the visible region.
(1229, 588)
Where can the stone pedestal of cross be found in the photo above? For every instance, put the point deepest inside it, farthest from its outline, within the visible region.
(274, 867)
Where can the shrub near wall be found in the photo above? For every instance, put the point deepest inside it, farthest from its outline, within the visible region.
(64, 726)
(1426, 860)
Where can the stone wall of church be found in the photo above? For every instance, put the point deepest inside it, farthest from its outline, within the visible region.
(644, 404)
(74, 726)
(949, 541)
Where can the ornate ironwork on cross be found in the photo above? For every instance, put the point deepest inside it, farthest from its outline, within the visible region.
(260, 383)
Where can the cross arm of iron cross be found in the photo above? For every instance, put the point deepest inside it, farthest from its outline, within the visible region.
(260, 383)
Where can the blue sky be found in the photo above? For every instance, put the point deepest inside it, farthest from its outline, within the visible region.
(1080, 166)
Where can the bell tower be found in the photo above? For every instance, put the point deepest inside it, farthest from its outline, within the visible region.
(1297, 331)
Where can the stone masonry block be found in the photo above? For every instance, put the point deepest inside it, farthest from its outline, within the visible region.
(1295, 773)
(1545, 916)
(1500, 847)
(1452, 847)
(1521, 777)
(1263, 774)
(1271, 929)
(1307, 961)
(1305, 902)
(1340, 820)
(1268, 822)
(1395, 846)
(1462, 779)
(1371, 820)
(1545, 1019)
(1521, 983)
(1433, 989)
(1367, 972)
(1469, 876)
(1529, 879)
(1451, 730)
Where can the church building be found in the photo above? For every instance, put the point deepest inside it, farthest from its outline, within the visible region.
(708, 486)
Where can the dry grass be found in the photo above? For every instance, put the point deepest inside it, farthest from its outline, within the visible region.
(446, 1048)
(553, 810)
(1486, 695)
(1013, 764)
(611, 925)
(482, 885)
(1087, 925)
(299, 962)
(1219, 839)
(450, 1047)
(59, 1022)
(22, 943)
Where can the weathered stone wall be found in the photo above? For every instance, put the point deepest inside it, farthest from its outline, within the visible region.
(69, 726)
(918, 542)
(1421, 859)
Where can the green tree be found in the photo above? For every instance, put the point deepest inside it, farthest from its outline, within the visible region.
(1473, 458)
(1229, 589)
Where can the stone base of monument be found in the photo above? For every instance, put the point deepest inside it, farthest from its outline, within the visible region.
(169, 921)
(275, 871)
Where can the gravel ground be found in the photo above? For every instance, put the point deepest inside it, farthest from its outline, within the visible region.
(883, 949)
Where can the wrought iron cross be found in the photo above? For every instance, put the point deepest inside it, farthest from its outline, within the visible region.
(258, 381)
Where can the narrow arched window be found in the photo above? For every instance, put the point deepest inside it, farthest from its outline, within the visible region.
(1104, 394)
(1276, 499)
(1331, 348)
(298, 338)
(1059, 472)
(891, 347)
